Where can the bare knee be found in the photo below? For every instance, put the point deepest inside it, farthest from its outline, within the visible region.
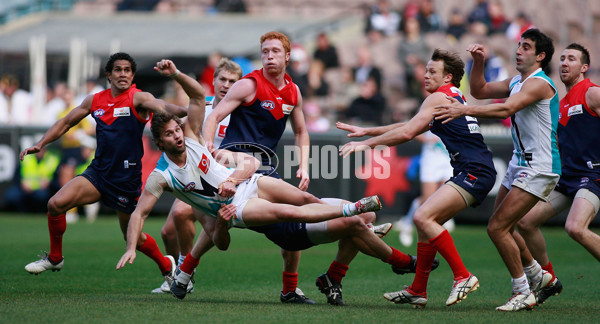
(308, 198)
(420, 219)
(525, 227)
(575, 232)
(55, 206)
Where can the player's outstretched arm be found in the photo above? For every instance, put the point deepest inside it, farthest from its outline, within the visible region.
(148, 199)
(221, 237)
(61, 127)
(245, 166)
(302, 141)
(356, 131)
(479, 87)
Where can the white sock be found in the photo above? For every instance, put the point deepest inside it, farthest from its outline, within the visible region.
(350, 209)
(180, 260)
(520, 285)
(533, 272)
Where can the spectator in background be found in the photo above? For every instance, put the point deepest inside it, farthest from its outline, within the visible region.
(480, 13)
(412, 51)
(207, 74)
(315, 121)
(55, 103)
(498, 23)
(326, 52)
(429, 20)
(368, 107)
(137, 5)
(383, 21)
(343, 95)
(15, 103)
(365, 68)
(32, 184)
(92, 86)
(314, 80)
(456, 24)
(519, 26)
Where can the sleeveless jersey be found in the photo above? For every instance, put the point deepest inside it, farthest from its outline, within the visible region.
(119, 131)
(257, 126)
(221, 127)
(198, 181)
(578, 130)
(534, 129)
(462, 138)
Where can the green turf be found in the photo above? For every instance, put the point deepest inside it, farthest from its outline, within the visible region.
(243, 283)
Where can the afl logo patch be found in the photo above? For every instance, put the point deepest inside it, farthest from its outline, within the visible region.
(189, 187)
(99, 113)
(123, 199)
(268, 105)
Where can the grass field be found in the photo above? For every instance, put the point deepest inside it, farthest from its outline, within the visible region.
(243, 284)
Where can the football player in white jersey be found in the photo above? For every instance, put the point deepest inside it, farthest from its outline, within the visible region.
(534, 170)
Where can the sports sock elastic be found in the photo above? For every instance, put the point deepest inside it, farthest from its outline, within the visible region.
(425, 256)
(290, 281)
(150, 248)
(533, 271)
(189, 264)
(56, 227)
(337, 271)
(549, 268)
(444, 244)
(398, 259)
(349, 209)
(520, 285)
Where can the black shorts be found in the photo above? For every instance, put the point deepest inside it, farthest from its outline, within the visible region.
(476, 183)
(568, 185)
(289, 236)
(120, 197)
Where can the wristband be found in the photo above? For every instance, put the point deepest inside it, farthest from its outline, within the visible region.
(174, 74)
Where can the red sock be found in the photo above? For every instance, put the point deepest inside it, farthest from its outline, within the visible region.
(189, 264)
(290, 282)
(57, 227)
(444, 244)
(150, 248)
(337, 271)
(398, 259)
(549, 268)
(425, 256)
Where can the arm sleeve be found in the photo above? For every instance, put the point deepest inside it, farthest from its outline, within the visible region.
(154, 184)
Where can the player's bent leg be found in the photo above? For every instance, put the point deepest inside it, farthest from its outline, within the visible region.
(580, 216)
(279, 191)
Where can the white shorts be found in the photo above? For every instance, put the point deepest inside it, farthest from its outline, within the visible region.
(244, 192)
(537, 183)
(560, 201)
(435, 165)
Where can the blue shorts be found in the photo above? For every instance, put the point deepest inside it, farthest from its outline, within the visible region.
(288, 236)
(569, 184)
(121, 197)
(478, 183)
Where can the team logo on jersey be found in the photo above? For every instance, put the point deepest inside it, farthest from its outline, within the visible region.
(221, 131)
(123, 199)
(470, 180)
(204, 164)
(523, 175)
(268, 105)
(287, 109)
(189, 187)
(584, 181)
(99, 113)
(575, 110)
(121, 112)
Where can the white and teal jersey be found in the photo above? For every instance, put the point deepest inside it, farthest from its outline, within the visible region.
(197, 182)
(221, 127)
(534, 129)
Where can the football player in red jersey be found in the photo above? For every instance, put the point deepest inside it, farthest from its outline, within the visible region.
(114, 176)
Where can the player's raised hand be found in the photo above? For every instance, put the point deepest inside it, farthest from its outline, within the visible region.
(129, 256)
(478, 52)
(30, 150)
(353, 147)
(166, 67)
(355, 131)
(304, 179)
(447, 112)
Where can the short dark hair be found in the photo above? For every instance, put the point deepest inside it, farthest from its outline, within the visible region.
(585, 54)
(120, 56)
(543, 43)
(157, 125)
(453, 64)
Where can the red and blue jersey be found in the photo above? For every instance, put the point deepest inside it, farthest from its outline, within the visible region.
(462, 138)
(257, 126)
(578, 130)
(119, 130)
